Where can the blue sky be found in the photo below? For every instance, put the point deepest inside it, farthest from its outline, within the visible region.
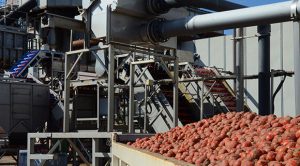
(256, 2)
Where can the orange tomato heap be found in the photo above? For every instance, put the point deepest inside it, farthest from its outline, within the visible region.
(235, 138)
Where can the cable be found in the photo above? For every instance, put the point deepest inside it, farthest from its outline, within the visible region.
(276, 92)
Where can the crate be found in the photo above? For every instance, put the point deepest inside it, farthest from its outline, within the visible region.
(125, 155)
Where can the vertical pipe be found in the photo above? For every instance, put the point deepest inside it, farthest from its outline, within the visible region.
(111, 89)
(240, 69)
(175, 91)
(131, 99)
(264, 69)
(146, 104)
(297, 65)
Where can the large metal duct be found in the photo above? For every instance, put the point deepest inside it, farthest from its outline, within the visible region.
(157, 7)
(160, 30)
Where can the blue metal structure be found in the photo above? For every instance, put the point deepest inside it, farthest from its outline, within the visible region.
(29, 58)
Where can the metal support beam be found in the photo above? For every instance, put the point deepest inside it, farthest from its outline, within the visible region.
(202, 100)
(99, 60)
(111, 89)
(67, 80)
(131, 99)
(264, 32)
(297, 66)
(175, 91)
(98, 106)
(54, 147)
(146, 105)
(239, 69)
(95, 149)
(78, 152)
(30, 150)
(74, 65)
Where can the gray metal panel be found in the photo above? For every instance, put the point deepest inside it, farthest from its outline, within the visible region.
(40, 106)
(5, 106)
(217, 53)
(288, 61)
(23, 107)
(40, 96)
(12, 45)
(285, 104)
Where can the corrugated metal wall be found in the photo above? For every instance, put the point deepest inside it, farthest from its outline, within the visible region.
(219, 52)
(13, 44)
(23, 107)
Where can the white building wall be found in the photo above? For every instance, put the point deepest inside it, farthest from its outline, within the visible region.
(218, 52)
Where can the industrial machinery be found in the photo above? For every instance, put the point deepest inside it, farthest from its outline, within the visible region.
(127, 66)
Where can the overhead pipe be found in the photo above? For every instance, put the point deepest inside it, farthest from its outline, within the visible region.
(161, 30)
(157, 7)
(79, 44)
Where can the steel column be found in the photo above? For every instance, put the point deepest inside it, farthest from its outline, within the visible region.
(30, 150)
(297, 66)
(131, 99)
(146, 105)
(175, 91)
(202, 100)
(264, 69)
(239, 69)
(95, 149)
(111, 89)
(66, 124)
(98, 106)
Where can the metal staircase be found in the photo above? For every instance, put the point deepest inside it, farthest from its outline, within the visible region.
(29, 59)
(188, 110)
(159, 108)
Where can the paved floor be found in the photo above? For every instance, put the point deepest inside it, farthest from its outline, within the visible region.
(7, 159)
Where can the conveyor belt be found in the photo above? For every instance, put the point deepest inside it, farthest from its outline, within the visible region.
(21, 66)
(219, 88)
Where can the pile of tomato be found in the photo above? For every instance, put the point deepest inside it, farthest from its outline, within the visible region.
(235, 138)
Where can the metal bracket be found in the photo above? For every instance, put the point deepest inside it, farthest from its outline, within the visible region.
(294, 14)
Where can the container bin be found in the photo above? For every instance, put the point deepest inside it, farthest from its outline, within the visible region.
(123, 154)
